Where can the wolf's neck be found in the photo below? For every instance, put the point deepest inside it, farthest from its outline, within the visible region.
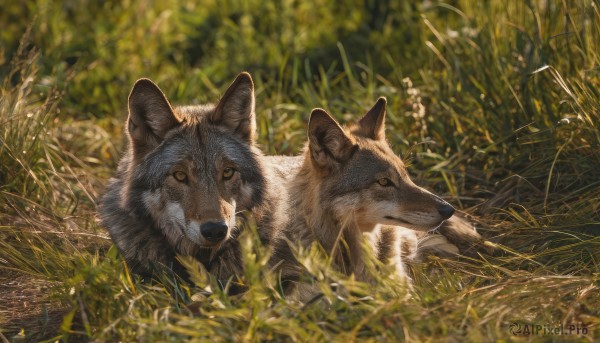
(272, 213)
(340, 237)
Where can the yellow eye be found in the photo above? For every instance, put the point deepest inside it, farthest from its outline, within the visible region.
(180, 176)
(384, 181)
(228, 173)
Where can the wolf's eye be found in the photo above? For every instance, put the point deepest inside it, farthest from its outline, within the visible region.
(384, 181)
(228, 173)
(180, 176)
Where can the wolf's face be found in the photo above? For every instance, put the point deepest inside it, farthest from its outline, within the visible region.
(362, 179)
(194, 166)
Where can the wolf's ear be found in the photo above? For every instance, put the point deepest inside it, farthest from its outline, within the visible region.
(150, 116)
(328, 142)
(372, 125)
(235, 111)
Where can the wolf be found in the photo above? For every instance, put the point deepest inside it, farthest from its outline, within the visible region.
(349, 186)
(186, 173)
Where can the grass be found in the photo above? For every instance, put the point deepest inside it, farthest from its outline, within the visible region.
(495, 104)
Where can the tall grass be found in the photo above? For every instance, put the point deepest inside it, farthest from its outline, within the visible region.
(494, 104)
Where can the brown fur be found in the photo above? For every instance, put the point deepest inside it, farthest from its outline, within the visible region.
(349, 183)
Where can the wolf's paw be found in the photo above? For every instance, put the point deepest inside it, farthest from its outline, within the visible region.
(462, 233)
(435, 244)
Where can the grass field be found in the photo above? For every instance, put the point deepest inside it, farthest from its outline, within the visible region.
(496, 104)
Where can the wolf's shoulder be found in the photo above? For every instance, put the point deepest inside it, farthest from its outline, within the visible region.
(284, 167)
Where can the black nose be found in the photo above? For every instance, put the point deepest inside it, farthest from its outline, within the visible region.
(446, 211)
(213, 231)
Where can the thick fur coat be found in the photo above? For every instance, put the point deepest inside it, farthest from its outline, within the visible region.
(186, 173)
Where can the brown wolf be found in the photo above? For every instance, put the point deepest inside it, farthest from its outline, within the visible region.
(350, 186)
(186, 173)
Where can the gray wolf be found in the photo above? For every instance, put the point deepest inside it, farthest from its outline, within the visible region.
(186, 173)
(350, 187)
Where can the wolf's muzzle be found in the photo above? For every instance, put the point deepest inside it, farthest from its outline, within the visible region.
(214, 231)
(446, 210)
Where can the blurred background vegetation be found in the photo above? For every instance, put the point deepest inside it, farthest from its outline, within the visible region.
(496, 105)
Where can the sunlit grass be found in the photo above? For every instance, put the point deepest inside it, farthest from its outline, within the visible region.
(495, 105)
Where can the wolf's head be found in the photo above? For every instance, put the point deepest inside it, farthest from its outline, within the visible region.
(191, 167)
(361, 178)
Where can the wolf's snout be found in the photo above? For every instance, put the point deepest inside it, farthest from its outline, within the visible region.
(446, 210)
(214, 231)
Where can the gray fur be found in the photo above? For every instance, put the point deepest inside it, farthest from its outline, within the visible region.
(134, 206)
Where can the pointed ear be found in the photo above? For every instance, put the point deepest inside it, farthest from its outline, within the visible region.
(235, 111)
(372, 125)
(328, 143)
(150, 116)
